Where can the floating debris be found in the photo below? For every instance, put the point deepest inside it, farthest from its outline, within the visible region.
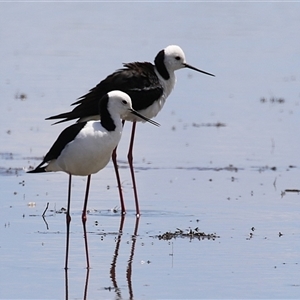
(265, 168)
(292, 191)
(289, 191)
(279, 100)
(60, 211)
(218, 124)
(21, 96)
(188, 233)
(10, 171)
(6, 155)
(230, 168)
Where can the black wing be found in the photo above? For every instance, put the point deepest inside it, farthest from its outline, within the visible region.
(66, 136)
(137, 79)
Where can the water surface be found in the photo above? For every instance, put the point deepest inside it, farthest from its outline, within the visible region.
(229, 180)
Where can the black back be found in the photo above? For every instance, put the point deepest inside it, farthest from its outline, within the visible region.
(66, 136)
(137, 79)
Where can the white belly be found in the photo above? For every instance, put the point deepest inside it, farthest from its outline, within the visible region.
(88, 153)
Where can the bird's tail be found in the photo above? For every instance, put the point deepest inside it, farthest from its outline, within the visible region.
(38, 170)
(65, 116)
(83, 110)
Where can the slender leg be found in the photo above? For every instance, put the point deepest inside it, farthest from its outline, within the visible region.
(68, 221)
(136, 227)
(84, 220)
(114, 159)
(130, 161)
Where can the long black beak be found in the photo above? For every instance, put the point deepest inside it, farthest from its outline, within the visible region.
(144, 118)
(193, 68)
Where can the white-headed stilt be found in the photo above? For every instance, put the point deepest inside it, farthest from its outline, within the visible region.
(85, 148)
(147, 84)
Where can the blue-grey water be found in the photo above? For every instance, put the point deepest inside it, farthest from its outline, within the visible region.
(239, 180)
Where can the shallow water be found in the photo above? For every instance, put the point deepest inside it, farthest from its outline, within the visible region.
(239, 180)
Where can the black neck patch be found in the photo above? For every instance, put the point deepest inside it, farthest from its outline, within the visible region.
(106, 120)
(160, 65)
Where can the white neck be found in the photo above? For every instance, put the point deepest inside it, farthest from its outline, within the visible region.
(168, 84)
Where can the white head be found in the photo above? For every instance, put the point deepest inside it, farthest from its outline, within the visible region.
(174, 58)
(170, 59)
(118, 102)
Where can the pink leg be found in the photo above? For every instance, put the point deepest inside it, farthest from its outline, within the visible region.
(130, 161)
(84, 220)
(114, 159)
(136, 227)
(68, 221)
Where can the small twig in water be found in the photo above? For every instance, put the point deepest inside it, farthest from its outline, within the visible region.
(292, 191)
(45, 209)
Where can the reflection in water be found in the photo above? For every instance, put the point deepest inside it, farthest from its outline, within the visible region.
(85, 285)
(113, 276)
(66, 284)
(129, 266)
(114, 261)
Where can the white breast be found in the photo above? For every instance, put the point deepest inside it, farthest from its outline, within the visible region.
(89, 152)
(152, 111)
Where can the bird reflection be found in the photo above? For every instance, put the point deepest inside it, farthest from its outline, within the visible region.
(129, 266)
(112, 272)
(66, 285)
(113, 276)
(85, 285)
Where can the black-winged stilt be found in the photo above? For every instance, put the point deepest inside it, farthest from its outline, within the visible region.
(85, 148)
(147, 84)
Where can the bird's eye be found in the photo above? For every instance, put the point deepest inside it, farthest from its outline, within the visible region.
(124, 101)
(177, 57)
